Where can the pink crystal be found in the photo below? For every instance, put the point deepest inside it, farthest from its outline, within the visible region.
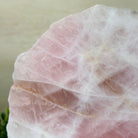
(80, 79)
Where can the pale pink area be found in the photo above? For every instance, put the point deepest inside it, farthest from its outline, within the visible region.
(80, 79)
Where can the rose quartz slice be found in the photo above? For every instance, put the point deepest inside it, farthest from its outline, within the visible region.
(80, 79)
